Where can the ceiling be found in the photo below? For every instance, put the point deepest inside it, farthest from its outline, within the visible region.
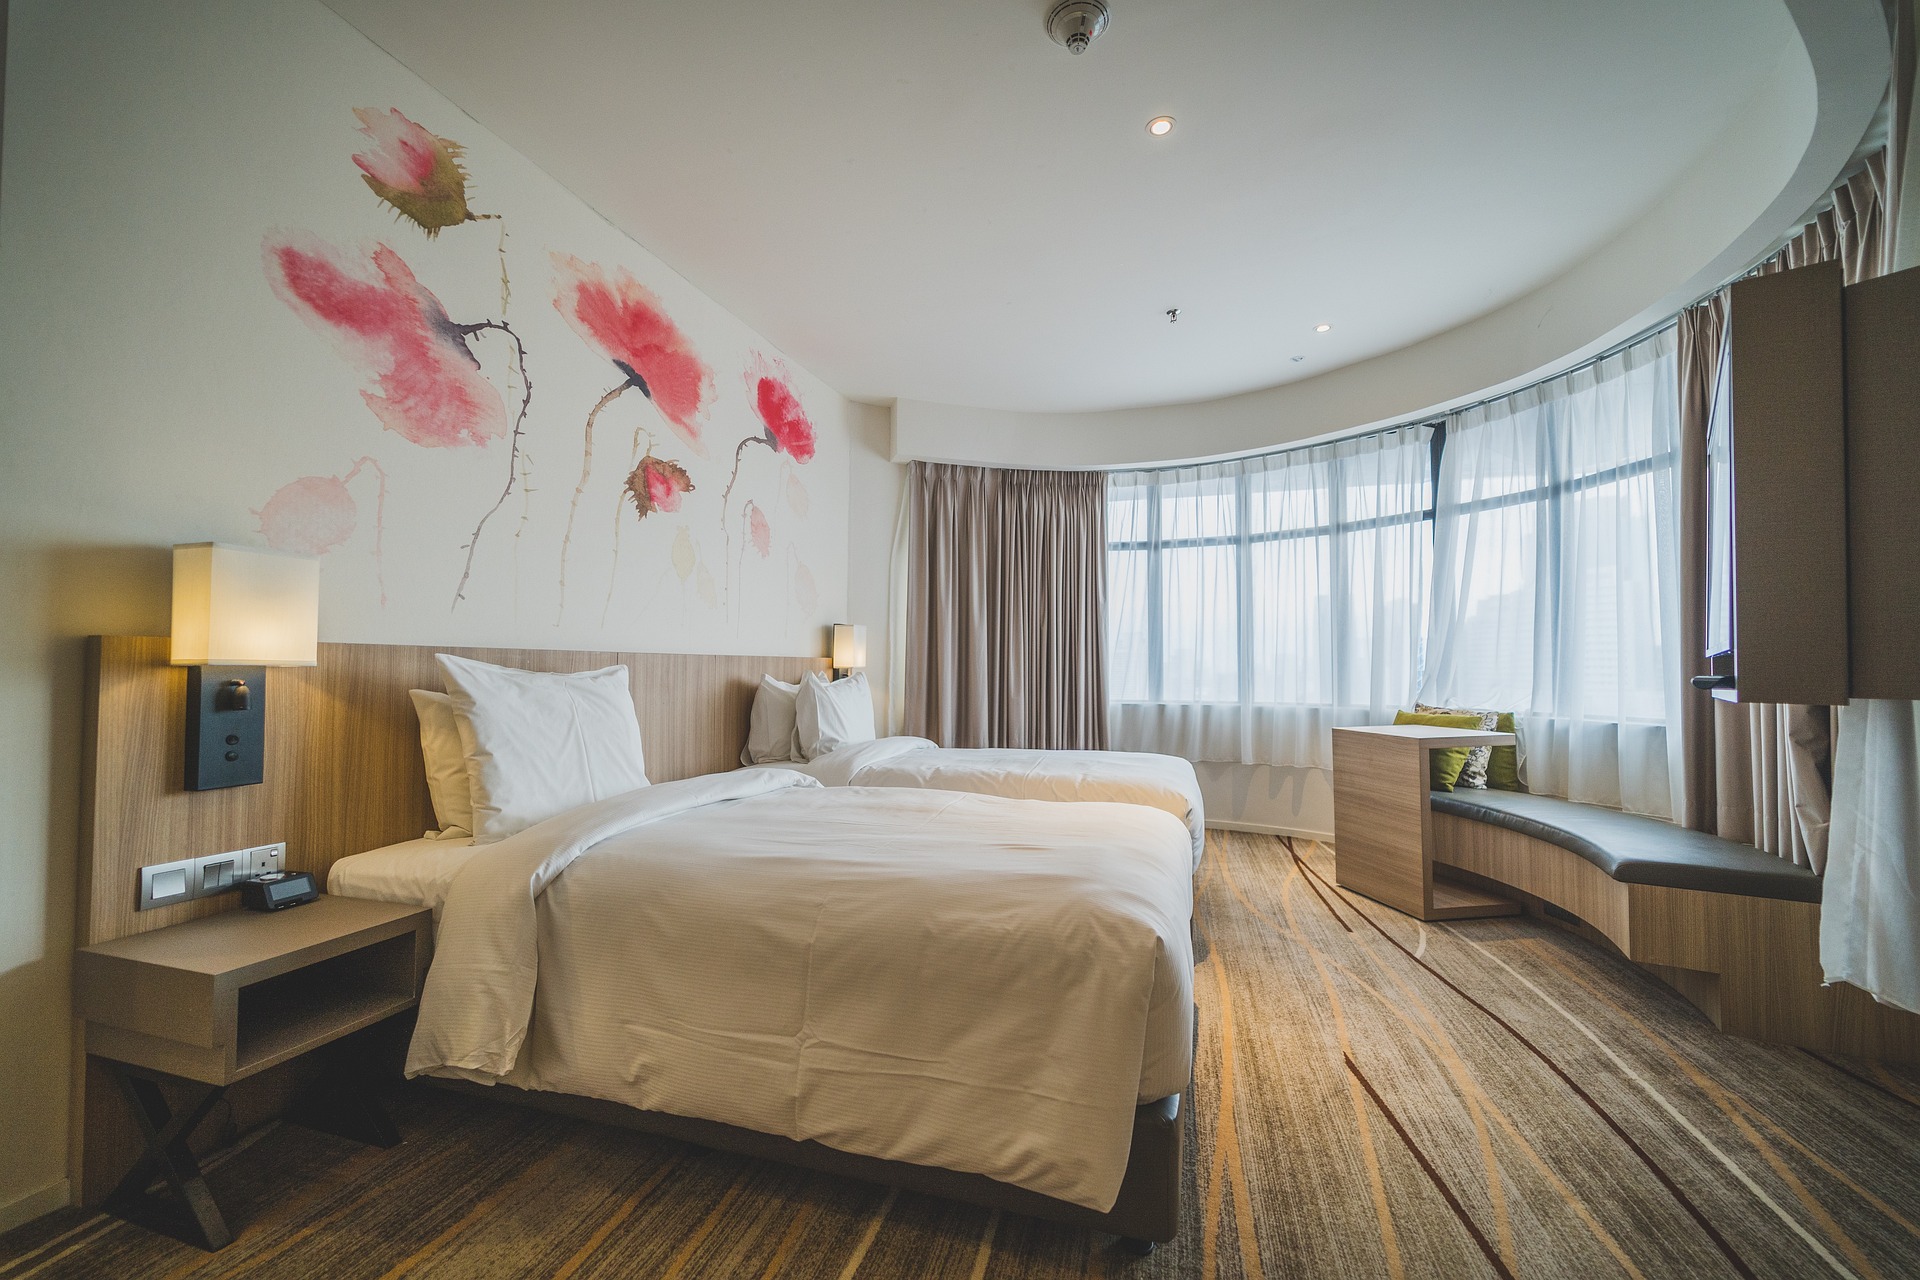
(934, 202)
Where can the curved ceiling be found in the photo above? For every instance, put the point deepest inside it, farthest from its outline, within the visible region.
(932, 202)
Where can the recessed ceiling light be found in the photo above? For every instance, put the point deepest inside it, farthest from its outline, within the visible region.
(1160, 126)
(1321, 328)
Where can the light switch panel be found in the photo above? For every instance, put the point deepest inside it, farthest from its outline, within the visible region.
(165, 883)
(216, 873)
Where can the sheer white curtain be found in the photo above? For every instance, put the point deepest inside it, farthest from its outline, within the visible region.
(1254, 605)
(1557, 573)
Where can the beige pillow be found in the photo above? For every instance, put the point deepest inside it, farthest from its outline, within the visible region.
(446, 760)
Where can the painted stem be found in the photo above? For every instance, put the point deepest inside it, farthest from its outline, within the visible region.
(586, 473)
(619, 513)
(379, 519)
(726, 498)
(513, 454)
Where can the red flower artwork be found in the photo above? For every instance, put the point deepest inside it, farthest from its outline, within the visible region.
(789, 430)
(622, 319)
(656, 485)
(428, 385)
(417, 172)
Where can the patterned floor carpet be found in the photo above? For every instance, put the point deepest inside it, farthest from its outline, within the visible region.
(1375, 1098)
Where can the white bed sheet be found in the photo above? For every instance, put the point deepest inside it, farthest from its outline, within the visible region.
(962, 981)
(1167, 783)
(417, 873)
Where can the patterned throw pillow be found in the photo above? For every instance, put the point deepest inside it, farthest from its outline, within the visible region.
(1474, 775)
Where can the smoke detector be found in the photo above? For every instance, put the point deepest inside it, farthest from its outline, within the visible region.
(1075, 23)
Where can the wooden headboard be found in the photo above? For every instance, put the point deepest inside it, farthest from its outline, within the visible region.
(343, 767)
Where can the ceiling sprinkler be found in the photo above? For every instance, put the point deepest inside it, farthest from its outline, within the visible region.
(1075, 23)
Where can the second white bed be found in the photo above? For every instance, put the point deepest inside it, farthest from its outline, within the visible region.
(1159, 782)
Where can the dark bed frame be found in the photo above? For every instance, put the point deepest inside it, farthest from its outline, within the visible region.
(1146, 1213)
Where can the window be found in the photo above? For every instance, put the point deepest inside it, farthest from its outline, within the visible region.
(1523, 557)
(1254, 604)
(1556, 575)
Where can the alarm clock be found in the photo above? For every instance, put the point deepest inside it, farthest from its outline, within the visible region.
(277, 889)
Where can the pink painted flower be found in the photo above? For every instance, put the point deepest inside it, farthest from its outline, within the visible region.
(309, 516)
(623, 320)
(789, 430)
(759, 532)
(656, 485)
(428, 384)
(417, 172)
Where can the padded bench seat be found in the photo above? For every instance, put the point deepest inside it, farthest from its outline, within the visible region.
(1636, 850)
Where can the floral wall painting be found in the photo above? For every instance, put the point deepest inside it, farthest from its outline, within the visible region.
(656, 485)
(428, 386)
(416, 172)
(419, 176)
(454, 386)
(621, 319)
(314, 514)
(759, 532)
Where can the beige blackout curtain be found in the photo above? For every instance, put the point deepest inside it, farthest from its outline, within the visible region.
(1757, 773)
(1006, 607)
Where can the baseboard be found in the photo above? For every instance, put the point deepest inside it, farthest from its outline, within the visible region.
(1266, 829)
(55, 1195)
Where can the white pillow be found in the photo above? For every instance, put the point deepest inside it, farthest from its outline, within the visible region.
(770, 732)
(446, 760)
(539, 743)
(832, 713)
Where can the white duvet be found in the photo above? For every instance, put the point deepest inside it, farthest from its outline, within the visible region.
(953, 980)
(1123, 777)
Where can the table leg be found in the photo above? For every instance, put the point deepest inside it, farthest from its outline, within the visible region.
(167, 1153)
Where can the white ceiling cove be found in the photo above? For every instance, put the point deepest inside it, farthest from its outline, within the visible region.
(935, 202)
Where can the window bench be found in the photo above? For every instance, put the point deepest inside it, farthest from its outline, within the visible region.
(1733, 930)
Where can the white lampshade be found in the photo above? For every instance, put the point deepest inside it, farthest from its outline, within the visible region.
(849, 645)
(238, 608)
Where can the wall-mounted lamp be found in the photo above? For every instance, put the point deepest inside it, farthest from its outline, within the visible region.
(235, 613)
(849, 647)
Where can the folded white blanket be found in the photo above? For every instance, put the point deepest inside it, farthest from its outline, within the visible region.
(951, 980)
(1160, 782)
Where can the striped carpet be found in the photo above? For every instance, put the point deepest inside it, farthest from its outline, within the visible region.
(1376, 1098)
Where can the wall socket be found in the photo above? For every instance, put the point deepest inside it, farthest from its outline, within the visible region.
(165, 883)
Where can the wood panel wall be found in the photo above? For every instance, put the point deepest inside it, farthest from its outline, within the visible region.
(343, 766)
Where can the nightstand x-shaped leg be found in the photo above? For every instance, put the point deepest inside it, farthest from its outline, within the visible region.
(167, 1153)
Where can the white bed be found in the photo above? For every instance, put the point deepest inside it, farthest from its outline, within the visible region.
(961, 981)
(1126, 777)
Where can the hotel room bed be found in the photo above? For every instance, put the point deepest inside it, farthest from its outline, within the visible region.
(1160, 782)
(937, 980)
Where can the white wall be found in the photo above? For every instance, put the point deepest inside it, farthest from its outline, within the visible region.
(157, 391)
(876, 486)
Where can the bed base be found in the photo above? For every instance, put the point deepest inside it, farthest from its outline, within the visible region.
(1147, 1211)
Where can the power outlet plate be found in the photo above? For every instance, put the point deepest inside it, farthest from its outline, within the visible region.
(165, 883)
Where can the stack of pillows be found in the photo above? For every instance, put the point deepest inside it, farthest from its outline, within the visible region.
(802, 722)
(1475, 768)
(506, 748)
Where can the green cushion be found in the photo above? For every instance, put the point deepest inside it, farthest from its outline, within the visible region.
(1503, 770)
(1446, 762)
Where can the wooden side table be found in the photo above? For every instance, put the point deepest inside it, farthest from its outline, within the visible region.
(1383, 827)
(215, 1000)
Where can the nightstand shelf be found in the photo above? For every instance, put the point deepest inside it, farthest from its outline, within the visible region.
(215, 1000)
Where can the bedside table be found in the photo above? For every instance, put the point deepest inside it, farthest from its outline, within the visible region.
(215, 1000)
